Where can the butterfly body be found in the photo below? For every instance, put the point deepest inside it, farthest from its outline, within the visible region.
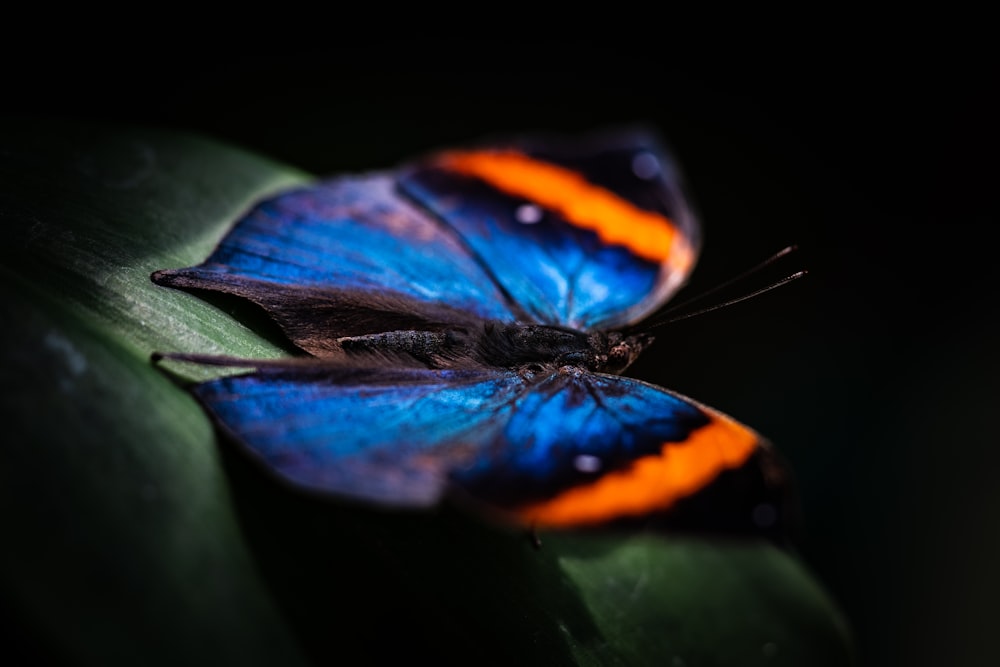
(523, 347)
(465, 320)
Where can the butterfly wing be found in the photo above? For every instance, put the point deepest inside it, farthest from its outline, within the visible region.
(388, 436)
(347, 257)
(587, 449)
(590, 234)
(564, 449)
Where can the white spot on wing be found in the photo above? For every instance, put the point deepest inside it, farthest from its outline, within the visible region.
(528, 214)
(587, 463)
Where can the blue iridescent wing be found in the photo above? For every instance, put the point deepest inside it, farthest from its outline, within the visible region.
(563, 449)
(590, 234)
(388, 436)
(347, 257)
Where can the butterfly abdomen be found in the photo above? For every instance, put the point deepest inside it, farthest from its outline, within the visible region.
(427, 347)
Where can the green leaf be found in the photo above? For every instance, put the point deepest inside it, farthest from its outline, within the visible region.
(134, 537)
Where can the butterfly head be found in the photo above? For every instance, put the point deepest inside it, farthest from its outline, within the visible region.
(613, 351)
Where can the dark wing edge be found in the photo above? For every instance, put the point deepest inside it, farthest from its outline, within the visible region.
(314, 317)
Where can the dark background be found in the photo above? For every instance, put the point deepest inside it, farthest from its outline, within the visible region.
(873, 148)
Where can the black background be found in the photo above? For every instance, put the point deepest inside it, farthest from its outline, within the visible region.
(873, 148)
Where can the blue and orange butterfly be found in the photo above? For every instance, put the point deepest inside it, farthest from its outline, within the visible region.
(465, 320)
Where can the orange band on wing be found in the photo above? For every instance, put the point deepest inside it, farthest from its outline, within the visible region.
(652, 482)
(615, 220)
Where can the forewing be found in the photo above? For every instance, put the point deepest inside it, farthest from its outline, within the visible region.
(563, 449)
(585, 449)
(347, 257)
(589, 234)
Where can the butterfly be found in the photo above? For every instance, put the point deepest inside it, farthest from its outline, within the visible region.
(464, 322)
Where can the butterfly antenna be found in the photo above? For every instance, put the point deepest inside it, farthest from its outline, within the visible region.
(784, 252)
(730, 302)
(670, 314)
